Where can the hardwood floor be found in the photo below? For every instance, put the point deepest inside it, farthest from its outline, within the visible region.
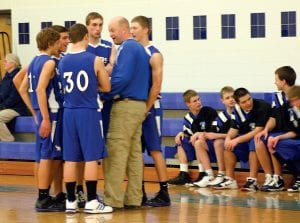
(189, 204)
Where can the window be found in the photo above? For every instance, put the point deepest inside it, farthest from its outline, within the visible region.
(24, 33)
(228, 26)
(258, 25)
(45, 24)
(172, 28)
(199, 24)
(68, 24)
(288, 24)
(150, 34)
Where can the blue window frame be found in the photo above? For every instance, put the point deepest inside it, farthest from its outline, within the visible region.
(172, 28)
(228, 26)
(288, 24)
(200, 27)
(258, 25)
(68, 24)
(45, 24)
(24, 33)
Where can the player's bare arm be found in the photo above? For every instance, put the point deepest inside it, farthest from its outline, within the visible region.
(156, 62)
(102, 75)
(46, 75)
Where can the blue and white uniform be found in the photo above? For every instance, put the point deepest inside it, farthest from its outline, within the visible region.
(289, 149)
(44, 146)
(152, 125)
(245, 122)
(202, 122)
(103, 50)
(58, 105)
(82, 132)
(280, 112)
(221, 125)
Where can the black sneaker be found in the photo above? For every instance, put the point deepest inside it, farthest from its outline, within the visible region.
(161, 199)
(276, 185)
(181, 179)
(250, 185)
(295, 187)
(48, 205)
(144, 199)
(81, 199)
(60, 200)
(61, 197)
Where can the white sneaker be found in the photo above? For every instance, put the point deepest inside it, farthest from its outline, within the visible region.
(71, 206)
(95, 207)
(219, 179)
(204, 182)
(227, 184)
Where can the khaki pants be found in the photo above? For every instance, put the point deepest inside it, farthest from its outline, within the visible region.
(6, 115)
(124, 154)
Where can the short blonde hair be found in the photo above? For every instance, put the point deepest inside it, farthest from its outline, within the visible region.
(188, 94)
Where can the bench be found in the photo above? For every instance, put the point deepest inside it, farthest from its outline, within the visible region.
(171, 101)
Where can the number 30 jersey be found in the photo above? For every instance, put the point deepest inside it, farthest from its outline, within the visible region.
(79, 80)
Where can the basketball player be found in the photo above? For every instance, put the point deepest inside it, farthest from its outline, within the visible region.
(82, 139)
(151, 130)
(39, 83)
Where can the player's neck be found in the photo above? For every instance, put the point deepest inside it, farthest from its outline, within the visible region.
(286, 88)
(47, 51)
(77, 47)
(94, 41)
(229, 110)
(145, 42)
(195, 112)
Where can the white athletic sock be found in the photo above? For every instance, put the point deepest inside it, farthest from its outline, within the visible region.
(201, 169)
(209, 172)
(221, 172)
(184, 167)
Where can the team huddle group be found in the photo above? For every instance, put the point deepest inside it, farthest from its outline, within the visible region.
(94, 103)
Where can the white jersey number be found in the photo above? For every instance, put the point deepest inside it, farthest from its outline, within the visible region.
(82, 86)
(30, 89)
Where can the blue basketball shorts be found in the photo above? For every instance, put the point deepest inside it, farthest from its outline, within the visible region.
(82, 135)
(49, 147)
(242, 150)
(188, 148)
(151, 130)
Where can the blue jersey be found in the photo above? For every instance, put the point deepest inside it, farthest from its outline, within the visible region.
(294, 121)
(222, 123)
(248, 121)
(34, 71)
(57, 84)
(280, 111)
(202, 122)
(130, 74)
(102, 49)
(150, 50)
(79, 81)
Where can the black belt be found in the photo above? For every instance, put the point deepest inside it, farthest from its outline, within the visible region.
(126, 99)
